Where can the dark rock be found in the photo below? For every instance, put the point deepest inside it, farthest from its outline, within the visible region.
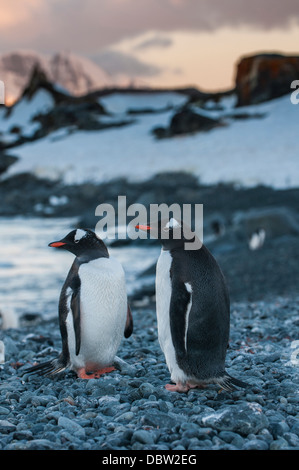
(263, 77)
(159, 419)
(243, 116)
(279, 444)
(148, 110)
(41, 444)
(145, 437)
(160, 132)
(295, 428)
(28, 318)
(278, 429)
(187, 121)
(276, 221)
(6, 426)
(255, 444)
(243, 420)
(146, 389)
(68, 111)
(75, 115)
(39, 80)
(71, 426)
(6, 161)
(19, 193)
(23, 435)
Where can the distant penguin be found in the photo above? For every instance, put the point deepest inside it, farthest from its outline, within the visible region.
(2, 352)
(193, 310)
(9, 319)
(94, 313)
(257, 239)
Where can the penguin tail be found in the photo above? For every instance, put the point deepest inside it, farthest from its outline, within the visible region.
(49, 368)
(228, 383)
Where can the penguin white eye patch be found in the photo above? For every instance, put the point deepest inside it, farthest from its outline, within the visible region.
(171, 224)
(79, 234)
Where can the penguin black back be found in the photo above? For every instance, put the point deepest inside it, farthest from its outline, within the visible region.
(197, 281)
(94, 313)
(193, 309)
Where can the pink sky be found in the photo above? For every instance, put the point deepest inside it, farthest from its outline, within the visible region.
(165, 42)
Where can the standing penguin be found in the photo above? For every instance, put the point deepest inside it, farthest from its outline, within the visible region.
(193, 310)
(93, 309)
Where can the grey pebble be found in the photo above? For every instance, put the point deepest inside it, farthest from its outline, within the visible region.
(255, 444)
(279, 444)
(125, 410)
(6, 426)
(145, 437)
(71, 426)
(4, 410)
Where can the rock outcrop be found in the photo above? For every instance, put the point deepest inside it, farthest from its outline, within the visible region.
(264, 77)
(6, 161)
(186, 121)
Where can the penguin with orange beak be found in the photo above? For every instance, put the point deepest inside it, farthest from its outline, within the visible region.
(193, 309)
(94, 314)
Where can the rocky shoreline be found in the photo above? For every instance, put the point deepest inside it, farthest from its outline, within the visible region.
(231, 215)
(131, 410)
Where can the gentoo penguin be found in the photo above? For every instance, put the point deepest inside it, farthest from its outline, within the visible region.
(193, 309)
(93, 309)
(257, 239)
(2, 352)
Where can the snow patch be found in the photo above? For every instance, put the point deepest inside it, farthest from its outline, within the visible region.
(246, 152)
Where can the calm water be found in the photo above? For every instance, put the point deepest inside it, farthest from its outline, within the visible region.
(31, 273)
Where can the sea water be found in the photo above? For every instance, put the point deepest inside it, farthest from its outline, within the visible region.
(32, 273)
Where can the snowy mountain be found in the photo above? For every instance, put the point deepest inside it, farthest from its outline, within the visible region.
(72, 72)
(137, 133)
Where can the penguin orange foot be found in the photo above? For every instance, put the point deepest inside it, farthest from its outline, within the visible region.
(82, 374)
(182, 388)
(93, 308)
(193, 308)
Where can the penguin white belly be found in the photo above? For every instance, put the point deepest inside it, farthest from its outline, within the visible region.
(103, 314)
(163, 296)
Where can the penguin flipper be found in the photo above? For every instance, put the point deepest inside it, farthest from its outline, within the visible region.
(76, 312)
(129, 323)
(53, 367)
(180, 299)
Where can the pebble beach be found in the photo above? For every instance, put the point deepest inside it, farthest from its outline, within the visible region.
(131, 409)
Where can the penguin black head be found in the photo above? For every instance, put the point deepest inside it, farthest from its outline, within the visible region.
(172, 233)
(83, 243)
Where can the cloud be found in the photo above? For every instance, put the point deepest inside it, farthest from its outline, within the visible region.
(155, 42)
(15, 12)
(89, 25)
(115, 62)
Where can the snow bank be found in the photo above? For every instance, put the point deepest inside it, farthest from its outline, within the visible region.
(22, 113)
(246, 151)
